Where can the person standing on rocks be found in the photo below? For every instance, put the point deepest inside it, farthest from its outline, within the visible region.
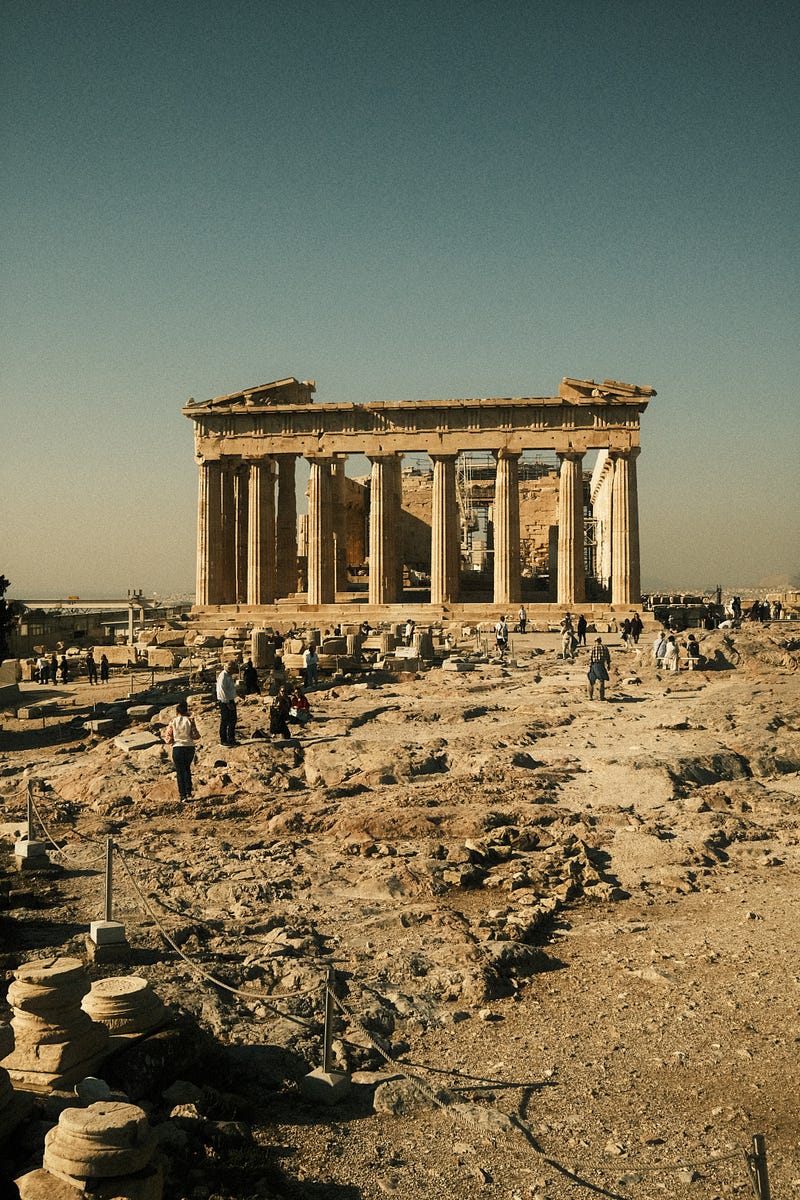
(522, 618)
(226, 699)
(636, 628)
(311, 666)
(250, 679)
(670, 656)
(659, 648)
(501, 635)
(599, 662)
(279, 712)
(91, 668)
(580, 630)
(105, 670)
(181, 734)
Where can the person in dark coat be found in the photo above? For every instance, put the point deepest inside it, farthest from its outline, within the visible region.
(580, 630)
(636, 628)
(279, 712)
(105, 670)
(64, 669)
(250, 679)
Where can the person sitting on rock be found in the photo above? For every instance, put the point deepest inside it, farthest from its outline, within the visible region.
(670, 658)
(696, 659)
(300, 710)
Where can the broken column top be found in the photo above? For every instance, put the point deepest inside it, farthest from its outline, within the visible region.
(106, 1140)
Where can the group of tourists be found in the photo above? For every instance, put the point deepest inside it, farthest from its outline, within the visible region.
(52, 670)
(666, 652)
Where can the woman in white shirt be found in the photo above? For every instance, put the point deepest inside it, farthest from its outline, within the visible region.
(181, 734)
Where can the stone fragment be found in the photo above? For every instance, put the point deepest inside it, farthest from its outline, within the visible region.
(135, 740)
(56, 1042)
(325, 1087)
(126, 1005)
(141, 712)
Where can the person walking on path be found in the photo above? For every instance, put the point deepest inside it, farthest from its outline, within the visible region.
(660, 648)
(636, 628)
(91, 668)
(226, 699)
(599, 662)
(501, 635)
(181, 734)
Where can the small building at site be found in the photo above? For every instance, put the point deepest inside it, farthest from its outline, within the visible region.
(464, 501)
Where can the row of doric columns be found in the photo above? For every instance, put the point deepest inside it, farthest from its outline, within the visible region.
(247, 537)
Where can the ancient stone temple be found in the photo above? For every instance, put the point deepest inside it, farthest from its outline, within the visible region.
(248, 444)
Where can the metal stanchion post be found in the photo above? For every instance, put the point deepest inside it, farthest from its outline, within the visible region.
(326, 1085)
(107, 941)
(30, 811)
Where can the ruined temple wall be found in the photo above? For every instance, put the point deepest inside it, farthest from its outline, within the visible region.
(538, 513)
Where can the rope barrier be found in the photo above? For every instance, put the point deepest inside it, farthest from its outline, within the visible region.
(196, 966)
(456, 1111)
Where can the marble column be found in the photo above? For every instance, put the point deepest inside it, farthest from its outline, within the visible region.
(227, 582)
(339, 490)
(396, 469)
(209, 532)
(571, 569)
(261, 563)
(507, 580)
(625, 573)
(445, 531)
(286, 526)
(384, 520)
(320, 532)
(241, 502)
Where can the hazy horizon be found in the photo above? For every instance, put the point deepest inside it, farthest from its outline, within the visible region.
(409, 202)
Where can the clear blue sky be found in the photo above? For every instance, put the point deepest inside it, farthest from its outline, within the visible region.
(405, 201)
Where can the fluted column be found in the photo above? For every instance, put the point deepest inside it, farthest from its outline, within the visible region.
(396, 468)
(241, 502)
(445, 531)
(625, 572)
(286, 526)
(209, 532)
(571, 569)
(261, 561)
(507, 581)
(320, 532)
(227, 582)
(339, 490)
(383, 530)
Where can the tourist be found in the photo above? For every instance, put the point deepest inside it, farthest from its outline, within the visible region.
(695, 658)
(599, 662)
(736, 604)
(311, 666)
(300, 709)
(105, 670)
(625, 633)
(522, 618)
(42, 669)
(755, 611)
(580, 630)
(250, 679)
(91, 668)
(279, 712)
(709, 618)
(408, 633)
(181, 734)
(53, 669)
(636, 628)
(226, 698)
(766, 610)
(364, 629)
(670, 656)
(568, 639)
(501, 635)
(64, 669)
(660, 648)
(777, 609)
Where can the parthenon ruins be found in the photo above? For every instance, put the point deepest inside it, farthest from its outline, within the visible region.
(249, 441)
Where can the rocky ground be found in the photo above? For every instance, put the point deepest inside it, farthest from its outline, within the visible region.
(564, 933)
